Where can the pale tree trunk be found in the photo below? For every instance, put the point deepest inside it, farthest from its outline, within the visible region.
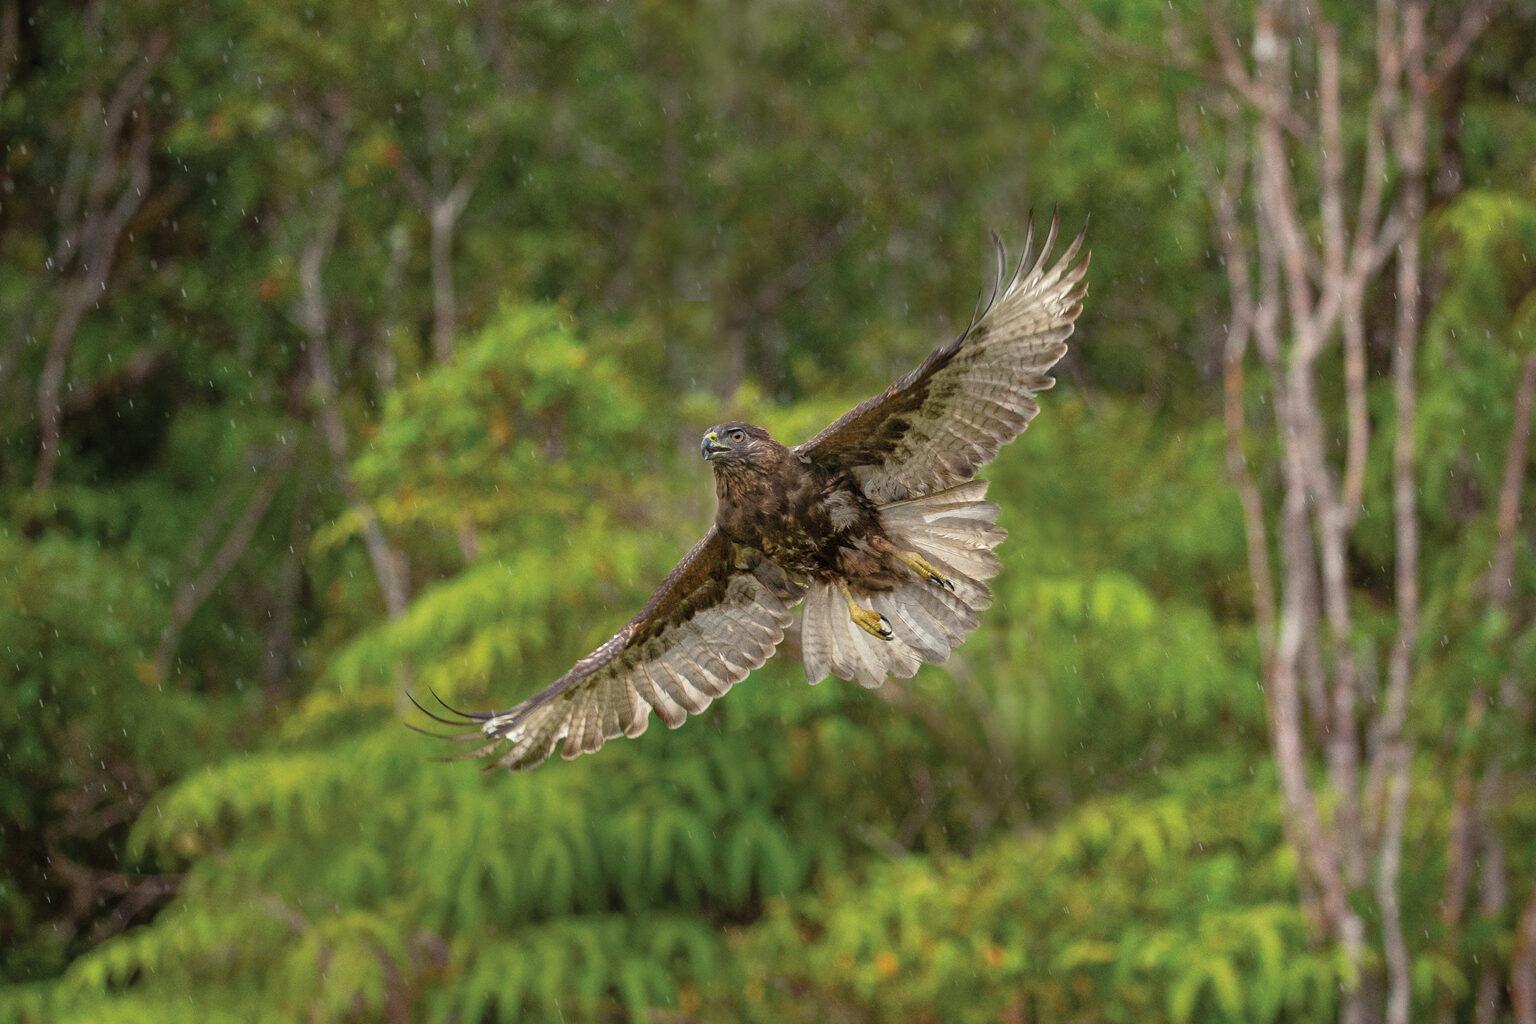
(312, 314)
(442, 196)
(443, 212)
(388, 565)
(443, 200)
(1273, 135)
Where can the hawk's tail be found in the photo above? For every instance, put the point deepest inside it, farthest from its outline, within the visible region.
(954, 531)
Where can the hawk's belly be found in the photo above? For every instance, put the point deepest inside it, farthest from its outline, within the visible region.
(838, 537)
(801, 554)
(848, 557)
(815, 527)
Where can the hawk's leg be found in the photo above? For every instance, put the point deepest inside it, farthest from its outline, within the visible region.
(867, 619)
(918, 564)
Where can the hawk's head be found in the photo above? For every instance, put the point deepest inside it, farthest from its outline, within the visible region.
(736, 443)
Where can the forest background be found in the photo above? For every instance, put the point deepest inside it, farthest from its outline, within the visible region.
(347, 345)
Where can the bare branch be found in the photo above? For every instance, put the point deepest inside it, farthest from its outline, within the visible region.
(1123, 48)
(1225, 189)
(278, 653)
(81, 295)
(1395, 750)
(1475, 19)
(10, 41)
(1522, 966)
(1493, 897)
(1331, 147)
(313, 315)
(91, 241)
(195, 592)
(1266, 98)
(85, 188)
(1501, 572)
(415, 185)
(77, 164)
(1316, 849)
(137, 370)
(1179, 56)
(443, 206)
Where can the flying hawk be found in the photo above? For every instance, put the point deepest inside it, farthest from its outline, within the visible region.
(877, 524)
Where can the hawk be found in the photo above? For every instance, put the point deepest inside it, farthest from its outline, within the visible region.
(877, 524)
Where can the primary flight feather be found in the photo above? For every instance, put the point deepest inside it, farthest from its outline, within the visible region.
(876, 524)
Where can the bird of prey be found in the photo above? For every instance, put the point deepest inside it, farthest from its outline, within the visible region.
(877, 524)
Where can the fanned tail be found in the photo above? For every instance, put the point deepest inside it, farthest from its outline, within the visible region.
(955, 530)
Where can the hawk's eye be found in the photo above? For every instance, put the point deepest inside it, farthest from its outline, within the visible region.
(737, 436)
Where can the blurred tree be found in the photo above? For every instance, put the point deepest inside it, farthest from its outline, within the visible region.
(350, 343)
(1316, 213)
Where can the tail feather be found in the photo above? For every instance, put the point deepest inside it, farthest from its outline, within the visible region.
(816, 634)
(848, 657)
(955, 531)
(969, 588)
(919, 630)
(953, 615)
(902, 658)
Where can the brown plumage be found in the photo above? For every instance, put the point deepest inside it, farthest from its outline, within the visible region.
(876, 524)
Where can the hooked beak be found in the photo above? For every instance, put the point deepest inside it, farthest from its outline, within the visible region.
(711, 446)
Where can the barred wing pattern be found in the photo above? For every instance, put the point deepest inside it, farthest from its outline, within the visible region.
(936, 426)
(720, 614)
(724, 609)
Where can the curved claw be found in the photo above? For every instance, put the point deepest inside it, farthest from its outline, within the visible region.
(924, 570)
(867, 619)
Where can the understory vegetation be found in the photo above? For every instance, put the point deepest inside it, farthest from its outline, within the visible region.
(351, 351)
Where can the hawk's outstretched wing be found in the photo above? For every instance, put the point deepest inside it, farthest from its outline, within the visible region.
(723, 609)
(936, 426)
(719, 615)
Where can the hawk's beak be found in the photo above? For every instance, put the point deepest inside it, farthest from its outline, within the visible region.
(711, 446)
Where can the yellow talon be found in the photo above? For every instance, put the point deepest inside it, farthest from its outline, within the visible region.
(867, 619)
(918, 564)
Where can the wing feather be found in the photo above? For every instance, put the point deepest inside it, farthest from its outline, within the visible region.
(720, 614)
(936, 426)
(723, 610)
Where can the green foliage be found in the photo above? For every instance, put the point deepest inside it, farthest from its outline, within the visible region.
(426, 883)
(533, 444)
(672, 214)
(1481, 332)
(85, 718)
(1130, 909)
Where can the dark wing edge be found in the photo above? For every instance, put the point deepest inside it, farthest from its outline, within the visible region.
(936, 426)
(719, 614)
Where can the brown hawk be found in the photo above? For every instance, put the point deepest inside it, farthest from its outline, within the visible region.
(877, 524)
